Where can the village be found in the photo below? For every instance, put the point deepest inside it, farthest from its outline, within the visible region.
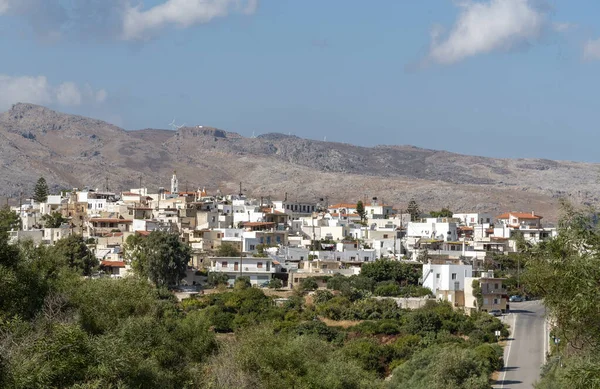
(290, 240)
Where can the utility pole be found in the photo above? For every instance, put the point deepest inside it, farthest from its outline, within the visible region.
(107, 183)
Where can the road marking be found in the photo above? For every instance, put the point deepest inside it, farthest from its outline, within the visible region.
(513, 328)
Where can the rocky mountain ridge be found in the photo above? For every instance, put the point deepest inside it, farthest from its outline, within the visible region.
(74, 151)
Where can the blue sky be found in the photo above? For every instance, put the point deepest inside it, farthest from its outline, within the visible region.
(502, 78)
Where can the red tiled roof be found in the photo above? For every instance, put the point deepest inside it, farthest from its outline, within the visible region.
(113, 263)
(130, 194)
(465, 228)
(519, 215)
(257, 224)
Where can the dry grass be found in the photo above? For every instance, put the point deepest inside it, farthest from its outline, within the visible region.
(340, 323)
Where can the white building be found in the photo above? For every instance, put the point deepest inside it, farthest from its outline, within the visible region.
(434, 228)
(445, 280)
(474, 218)
(259, 270)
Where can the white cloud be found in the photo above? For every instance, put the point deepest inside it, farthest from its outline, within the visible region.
(562, 27)
(37, 90)
(68, 93)
(591, 50)
(486, 27)
(51, 20)
(101, 96)
(138, 23)
(4, 5)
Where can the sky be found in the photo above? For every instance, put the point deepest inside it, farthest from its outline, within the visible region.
(498, 78)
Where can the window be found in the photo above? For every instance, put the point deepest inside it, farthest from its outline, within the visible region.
(224, 264)
(495, 286)
(437, 276)
(385, 236)
(302, 259)
(496, 301)
(252, 247)
(453, 276)
(259, 265)
(237, 235)
(366, 259)
(353, 258)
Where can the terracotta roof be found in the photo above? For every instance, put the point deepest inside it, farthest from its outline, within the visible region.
(143, 233)
(519, 215)
(130, 194)
(257, 224)
(346, 214)
(276, 263)
(110, 220)
(113, 263)
(465, 228)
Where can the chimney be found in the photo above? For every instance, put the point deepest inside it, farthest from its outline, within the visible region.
(532, 213)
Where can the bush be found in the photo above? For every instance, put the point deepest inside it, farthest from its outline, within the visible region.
(215, 279)
(242, 283)
(492, 353)
(388, 289)
(322, 296)
(275, 283)
(309, 284)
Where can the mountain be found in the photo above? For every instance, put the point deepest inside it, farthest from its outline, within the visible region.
(74, 151)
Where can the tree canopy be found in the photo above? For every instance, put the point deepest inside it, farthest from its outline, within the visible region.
(228, 250)
(360, 209)
(565, 272)
(444, 212)
(161, 257)
(53, 220)
(41, 191)
(75, 253)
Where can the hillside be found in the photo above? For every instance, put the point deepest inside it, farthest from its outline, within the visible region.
(74, 151)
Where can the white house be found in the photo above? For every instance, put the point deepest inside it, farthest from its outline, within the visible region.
(445, 280)
(259, 270)
(434, 228)
(473, 218)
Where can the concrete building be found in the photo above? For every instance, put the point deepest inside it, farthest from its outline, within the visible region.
(447, 281)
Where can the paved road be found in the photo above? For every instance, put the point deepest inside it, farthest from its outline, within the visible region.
(525, 351)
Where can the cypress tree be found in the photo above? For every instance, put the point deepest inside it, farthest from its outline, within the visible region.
(40, 193)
